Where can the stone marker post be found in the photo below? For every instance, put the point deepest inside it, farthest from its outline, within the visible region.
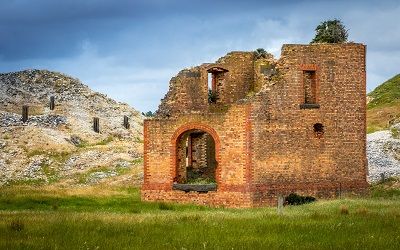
(96, 125)
(25, 113)
(52, 102)
(280, 204)
(126, 122)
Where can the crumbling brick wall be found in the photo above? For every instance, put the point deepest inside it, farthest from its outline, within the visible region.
(269, 138)
(288, 155)
(188, 91)
(239, 79)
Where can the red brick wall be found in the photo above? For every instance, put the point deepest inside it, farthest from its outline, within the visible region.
(220, 199)
(265, 143)
(288, 155)
(240, 76)
(229, 133)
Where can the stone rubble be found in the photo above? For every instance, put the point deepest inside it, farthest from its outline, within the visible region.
(34, 170)
(383, 152)
(2, 144)
(8, 119)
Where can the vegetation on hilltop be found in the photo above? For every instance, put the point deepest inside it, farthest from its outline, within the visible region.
(385, 94)
(383, 108)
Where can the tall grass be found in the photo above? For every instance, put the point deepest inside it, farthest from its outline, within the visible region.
(117, 219)
(100, 199)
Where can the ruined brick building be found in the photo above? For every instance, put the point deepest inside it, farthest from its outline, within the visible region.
(240, 131)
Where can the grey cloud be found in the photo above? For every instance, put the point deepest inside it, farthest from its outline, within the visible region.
(130, 49)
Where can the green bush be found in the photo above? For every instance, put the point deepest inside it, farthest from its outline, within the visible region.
(295, 199)
(260, 53)
(395, 133)
(330, 31)
(212, 96)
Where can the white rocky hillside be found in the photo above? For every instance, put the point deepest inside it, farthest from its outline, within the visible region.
(383, 152)
(60, 145)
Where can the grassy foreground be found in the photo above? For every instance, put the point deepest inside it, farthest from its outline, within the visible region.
(115, 218)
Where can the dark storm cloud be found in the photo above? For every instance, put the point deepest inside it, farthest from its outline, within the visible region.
(129, 49)
(52, 29)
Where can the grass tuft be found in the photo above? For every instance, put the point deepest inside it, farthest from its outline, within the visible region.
(362, 211)
(344, 210)
(105, 141)
(16, 225)
(165, 206)
(395, 133)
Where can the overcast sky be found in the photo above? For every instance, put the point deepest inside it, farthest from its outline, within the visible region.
(129, 49)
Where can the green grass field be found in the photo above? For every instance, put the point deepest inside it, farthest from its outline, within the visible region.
(115, 218)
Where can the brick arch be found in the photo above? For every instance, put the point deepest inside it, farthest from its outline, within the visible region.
(192, 126)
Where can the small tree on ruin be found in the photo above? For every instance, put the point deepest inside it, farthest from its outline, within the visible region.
(330, 31)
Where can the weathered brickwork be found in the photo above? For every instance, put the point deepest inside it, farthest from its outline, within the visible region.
(296, 124)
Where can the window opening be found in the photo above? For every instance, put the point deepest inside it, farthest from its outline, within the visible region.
(318, 130)
(216, 77)
(196, 162)
(212, 92)
(310, 87)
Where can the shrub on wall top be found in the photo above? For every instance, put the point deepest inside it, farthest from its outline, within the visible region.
(330, 31)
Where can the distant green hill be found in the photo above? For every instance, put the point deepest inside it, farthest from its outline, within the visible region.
(383, 107)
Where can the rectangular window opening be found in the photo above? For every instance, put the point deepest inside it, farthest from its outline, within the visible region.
(210, 81)
(212, 88)
(310, 87)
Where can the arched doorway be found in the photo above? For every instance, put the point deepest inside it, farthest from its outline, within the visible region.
(196, 161)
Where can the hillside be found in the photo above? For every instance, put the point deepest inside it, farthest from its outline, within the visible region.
(60, 146)
(383, 127)
(383, 108)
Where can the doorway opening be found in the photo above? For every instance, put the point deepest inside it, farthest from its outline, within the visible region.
(195, 162)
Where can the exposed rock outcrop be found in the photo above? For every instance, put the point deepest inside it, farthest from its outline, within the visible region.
(383, 152)
(60, 145)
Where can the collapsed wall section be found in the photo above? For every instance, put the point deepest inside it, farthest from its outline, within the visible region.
(186, 93)
(231, 78)
(239, 78)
